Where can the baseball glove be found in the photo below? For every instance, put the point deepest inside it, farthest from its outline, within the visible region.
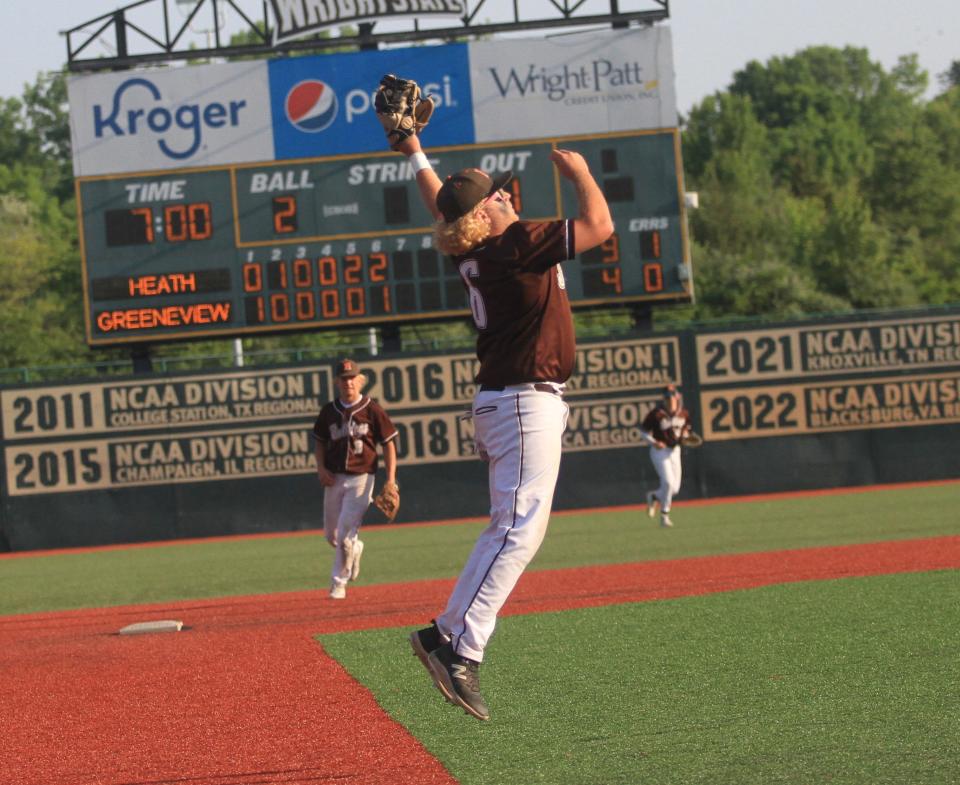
(691, 439)
(401, 108)
(388, 500)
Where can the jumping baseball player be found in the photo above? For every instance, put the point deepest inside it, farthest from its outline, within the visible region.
(525, 344)
(347, 432)
(664, 427)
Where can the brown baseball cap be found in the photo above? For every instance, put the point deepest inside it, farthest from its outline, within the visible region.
(347, 368)
(463, 191)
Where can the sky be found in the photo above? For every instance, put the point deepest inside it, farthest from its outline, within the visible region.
(712, 39)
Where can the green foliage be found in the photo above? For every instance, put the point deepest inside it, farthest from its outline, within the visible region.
(34, 242)
(951, 77)
(826, 183)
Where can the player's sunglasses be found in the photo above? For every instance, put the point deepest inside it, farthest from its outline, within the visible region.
(497, 196)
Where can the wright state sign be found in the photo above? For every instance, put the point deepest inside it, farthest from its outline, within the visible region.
(298, 18)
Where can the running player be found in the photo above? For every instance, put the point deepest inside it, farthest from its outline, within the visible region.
(347, 432)
(663, 428)
(526, 346)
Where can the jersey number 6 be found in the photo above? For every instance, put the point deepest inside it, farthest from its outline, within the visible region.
(470, 268)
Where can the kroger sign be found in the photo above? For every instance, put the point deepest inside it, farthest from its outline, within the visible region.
(187, 117)
(163, 119)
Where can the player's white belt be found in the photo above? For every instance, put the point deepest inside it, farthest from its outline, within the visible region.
(550, 387)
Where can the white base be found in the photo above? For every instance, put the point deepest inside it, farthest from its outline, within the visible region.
(152, 626)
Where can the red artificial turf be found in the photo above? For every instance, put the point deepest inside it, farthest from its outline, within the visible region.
(245, 696)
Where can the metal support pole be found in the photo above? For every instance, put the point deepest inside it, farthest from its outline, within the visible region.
(238, 352)
(120, 28)
(141, 359)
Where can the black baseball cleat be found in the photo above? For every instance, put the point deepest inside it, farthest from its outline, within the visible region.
(459, 680)
(425, 641)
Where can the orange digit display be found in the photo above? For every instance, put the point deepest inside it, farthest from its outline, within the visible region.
(327, 268)
(356, 305)
(305, 306)
(612, 276)
(353, 269)
(610, 249)
(175, 226)
(650, 244)
(200, 226)
(653, 277)
(284, 214)
(280, 307)
(378, 266)
(252, 277)
(182, 222)
(147, 214)
(330, 303)
(302, 273)
(516, 194)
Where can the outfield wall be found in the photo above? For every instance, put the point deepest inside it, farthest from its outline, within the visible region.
(792, 406)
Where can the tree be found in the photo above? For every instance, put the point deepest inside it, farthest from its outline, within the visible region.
(35, 327)
(951, 77)
(825, 162)
(48, 119)
(35, 133)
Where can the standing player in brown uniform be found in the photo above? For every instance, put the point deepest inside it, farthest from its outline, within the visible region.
(663, 428)
(347, 432)
(511, 271)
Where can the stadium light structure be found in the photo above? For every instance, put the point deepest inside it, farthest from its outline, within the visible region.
(146, 32)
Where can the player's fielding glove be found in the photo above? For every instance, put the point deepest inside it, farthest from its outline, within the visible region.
(401, 108)
(691, 439)
(388, 500)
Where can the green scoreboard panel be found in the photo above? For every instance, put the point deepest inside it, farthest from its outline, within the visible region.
(321, 242)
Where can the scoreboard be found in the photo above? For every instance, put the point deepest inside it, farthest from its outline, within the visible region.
(320, 242)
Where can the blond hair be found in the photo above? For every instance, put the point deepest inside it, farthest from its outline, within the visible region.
(459, 236)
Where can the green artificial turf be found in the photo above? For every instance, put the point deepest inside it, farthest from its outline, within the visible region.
(849, 682)
(219, 568)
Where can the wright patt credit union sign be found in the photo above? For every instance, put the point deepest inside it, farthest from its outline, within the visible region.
(298, 18)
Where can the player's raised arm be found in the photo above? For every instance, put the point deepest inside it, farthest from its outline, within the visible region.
(593, 225)
(427, 180)
(404, 112)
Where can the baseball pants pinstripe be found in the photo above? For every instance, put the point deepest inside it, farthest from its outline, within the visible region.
(520, 431)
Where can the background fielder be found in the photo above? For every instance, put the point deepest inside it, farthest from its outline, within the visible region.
(347, 432)
(663, 428)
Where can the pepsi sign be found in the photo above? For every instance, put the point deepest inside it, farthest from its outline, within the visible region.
(323, 105)
(311, 106)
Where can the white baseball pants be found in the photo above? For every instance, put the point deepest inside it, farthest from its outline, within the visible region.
(344, 504)
(666, 460)
(519, 429)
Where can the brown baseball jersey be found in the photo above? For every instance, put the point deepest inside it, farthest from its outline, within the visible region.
(666, 427)
(350, 435)
(520, 304)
